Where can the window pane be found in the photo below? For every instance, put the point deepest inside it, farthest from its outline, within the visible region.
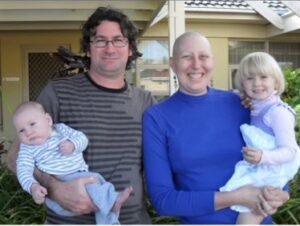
(287, 54)
(41, 64)
(238, 49)
(154, 52)
(155, 80)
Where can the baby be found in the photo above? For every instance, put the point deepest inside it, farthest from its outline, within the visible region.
(57, 150)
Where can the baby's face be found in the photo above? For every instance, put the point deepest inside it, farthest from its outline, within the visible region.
(33, 126)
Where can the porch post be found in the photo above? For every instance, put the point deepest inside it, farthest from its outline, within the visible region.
(176, 28)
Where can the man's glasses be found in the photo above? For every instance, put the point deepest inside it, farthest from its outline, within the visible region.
(116, 42)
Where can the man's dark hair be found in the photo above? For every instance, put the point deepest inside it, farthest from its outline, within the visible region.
(128, 29)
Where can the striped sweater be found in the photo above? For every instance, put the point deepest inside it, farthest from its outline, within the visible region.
(48, 158)
(111, 119)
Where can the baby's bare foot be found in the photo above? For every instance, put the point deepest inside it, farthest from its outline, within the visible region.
(122, 198)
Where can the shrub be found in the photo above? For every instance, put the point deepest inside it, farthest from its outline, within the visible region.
(290, 212)
(292, 93)
(16, 206)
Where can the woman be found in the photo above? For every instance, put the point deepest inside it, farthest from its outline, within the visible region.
(192, 143)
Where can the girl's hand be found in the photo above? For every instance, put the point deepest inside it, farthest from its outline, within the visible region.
(246, 102)
(252, 155)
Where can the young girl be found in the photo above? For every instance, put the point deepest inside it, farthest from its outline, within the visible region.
(271, 155)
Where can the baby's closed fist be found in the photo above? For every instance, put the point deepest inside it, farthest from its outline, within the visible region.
(38, 193)
(67, 147)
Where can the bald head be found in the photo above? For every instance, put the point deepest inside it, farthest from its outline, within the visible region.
(186, 37)
(193, 63)
(28, 105)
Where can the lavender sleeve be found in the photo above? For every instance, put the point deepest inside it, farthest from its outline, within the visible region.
(282, 121)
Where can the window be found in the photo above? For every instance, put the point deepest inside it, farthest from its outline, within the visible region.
(286, 54)
(153, 67)
(237, 50)
(42, 67)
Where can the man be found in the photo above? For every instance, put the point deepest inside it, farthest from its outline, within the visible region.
(101, 104)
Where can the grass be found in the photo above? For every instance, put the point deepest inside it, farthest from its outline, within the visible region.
(290, 212)
(17, 207)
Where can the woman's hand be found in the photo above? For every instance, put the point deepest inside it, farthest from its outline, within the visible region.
(270, 200)
(275, 197)
(249, 196)
(262, 201)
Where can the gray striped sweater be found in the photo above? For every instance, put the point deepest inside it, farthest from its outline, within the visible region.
(112, 121)
(48, 158)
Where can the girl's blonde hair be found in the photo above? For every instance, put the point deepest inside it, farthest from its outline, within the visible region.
(260, 63)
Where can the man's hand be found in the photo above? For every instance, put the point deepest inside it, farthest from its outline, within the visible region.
(38, 193)
(252, 155)
(67, 147)
(12, 155)
(73, 196)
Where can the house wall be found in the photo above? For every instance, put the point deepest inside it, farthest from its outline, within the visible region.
(13, 45)
(219, 35)
(12, 58)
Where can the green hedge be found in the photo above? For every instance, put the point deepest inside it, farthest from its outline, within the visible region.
(292, 94)
(16, 206)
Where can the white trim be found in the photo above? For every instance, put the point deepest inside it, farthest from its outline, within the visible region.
(176, 28)
(294, 6)
(76, 4)
(267, 13)
(291, 23)
(219, 10)
(163, 13)
(22, 12)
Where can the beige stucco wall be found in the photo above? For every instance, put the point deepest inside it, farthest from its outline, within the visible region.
(13, 45)
(228, 30)
(219, 35)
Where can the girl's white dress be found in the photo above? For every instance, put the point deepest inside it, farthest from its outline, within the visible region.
(260, 175)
